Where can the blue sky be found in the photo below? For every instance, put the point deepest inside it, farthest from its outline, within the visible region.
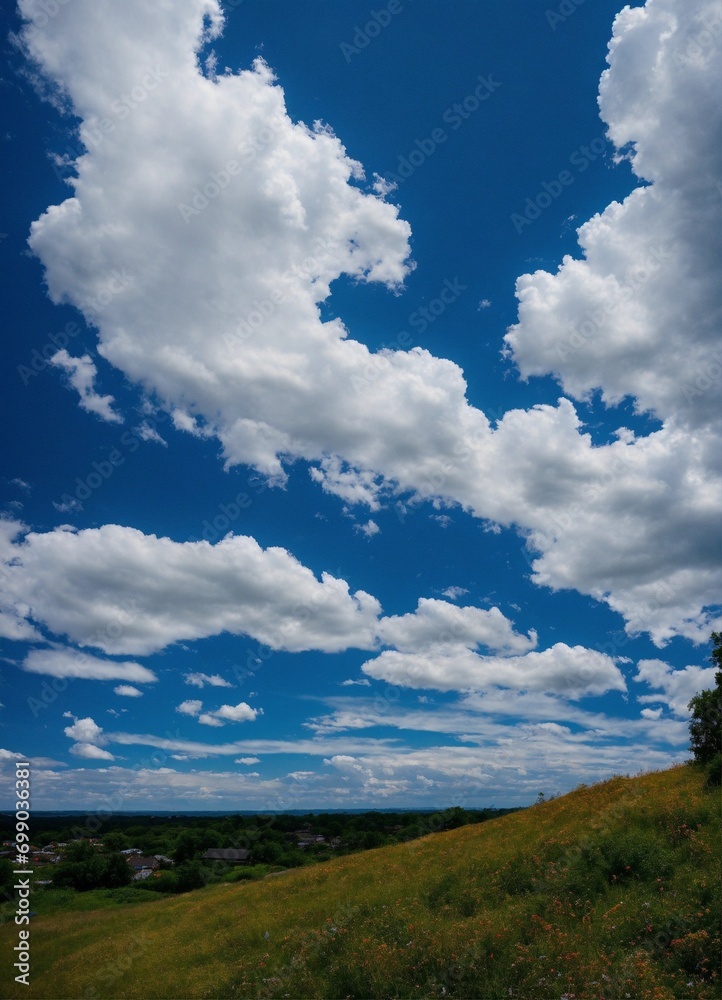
(363, 369)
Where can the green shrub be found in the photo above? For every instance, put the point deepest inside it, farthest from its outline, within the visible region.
(635, 854)
(518, 876)
(713, 772)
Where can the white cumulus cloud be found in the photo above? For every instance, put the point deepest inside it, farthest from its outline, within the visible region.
(190, 707)
(234, 245)
(230, 713)
(126, 592)
(673, 687)
(572, 671)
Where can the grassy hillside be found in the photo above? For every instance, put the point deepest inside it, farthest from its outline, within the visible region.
(612, 891)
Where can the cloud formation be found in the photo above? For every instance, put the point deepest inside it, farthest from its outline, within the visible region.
(126, 592)
(674, 688)
(572, 671)
(200, 680)
(234, 222)
(76, 664)
(81, 376)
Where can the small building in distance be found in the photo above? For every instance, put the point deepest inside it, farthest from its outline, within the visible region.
(137, 862)
(233, 855)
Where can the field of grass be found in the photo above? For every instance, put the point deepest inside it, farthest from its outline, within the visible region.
(611, 892)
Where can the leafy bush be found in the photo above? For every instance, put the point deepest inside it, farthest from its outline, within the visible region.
(705, 728)
(638, 855)
(83, 868)
(518, 876)
(635, 854)
(713, 771)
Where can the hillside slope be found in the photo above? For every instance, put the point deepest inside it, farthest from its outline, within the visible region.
(612, 891)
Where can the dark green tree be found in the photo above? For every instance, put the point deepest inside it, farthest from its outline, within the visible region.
(705, 728)
(189, 876)
(190, 845)
(116, 840)
(117, 872)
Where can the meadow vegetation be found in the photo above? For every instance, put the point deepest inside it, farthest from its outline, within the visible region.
(611, 891)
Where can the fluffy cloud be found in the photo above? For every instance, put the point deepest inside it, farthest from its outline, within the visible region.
(81, 376)
(438, 623)
(123, 591)
(639, 314)
(84, 730)
(190, 707)
(126, 592)
(72, 663)
(200, 680)
(572, 671)
(230, 713)
(233, 221)
(675, 687)
(219, 716)
(89, 736)
(128, 691)
(436, 647)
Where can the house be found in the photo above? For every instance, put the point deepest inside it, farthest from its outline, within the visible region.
(236, 856)
(311, 838)
(45, 858)
(137, 862)
(162, 859)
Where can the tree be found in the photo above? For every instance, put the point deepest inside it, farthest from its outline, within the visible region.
(705, 728)
(189, 845)
(116, 840)
(117, 872)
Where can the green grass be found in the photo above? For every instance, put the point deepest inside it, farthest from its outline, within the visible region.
(612, 891)
(47, 901)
